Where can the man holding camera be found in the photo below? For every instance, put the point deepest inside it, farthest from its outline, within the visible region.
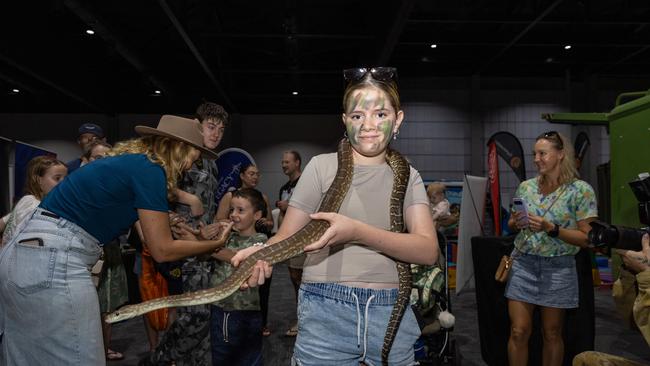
(637, 264)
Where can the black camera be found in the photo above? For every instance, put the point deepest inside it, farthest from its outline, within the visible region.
(621, 237)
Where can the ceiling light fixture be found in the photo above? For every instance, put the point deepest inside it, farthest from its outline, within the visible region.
(157, 92)
(15, 91)
(567, 47)
(294, 93)
(549, 60)
(433, 45)
(90, 31)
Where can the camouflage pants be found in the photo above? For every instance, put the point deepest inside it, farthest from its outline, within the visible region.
(187, 342)
(592, 358)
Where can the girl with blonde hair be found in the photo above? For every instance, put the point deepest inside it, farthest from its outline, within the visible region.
(43, 173)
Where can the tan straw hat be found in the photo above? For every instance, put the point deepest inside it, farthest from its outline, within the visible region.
(182, 129)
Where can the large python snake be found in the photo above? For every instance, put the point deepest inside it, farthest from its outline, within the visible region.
(294, 245)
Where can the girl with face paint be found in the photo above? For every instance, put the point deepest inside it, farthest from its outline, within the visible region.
(349, 283)
(371, 117)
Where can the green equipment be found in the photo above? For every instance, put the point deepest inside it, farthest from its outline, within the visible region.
(629, 140)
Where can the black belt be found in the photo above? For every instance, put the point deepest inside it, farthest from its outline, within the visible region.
(50, 214)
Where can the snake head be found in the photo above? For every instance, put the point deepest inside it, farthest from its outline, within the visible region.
(123, 313)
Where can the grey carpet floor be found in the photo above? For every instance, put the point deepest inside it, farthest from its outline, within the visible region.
(612, 336)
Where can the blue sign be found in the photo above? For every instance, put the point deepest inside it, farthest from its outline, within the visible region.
(230, 163)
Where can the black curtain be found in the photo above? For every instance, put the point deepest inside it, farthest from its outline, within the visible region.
(492, 307)
(5, 196)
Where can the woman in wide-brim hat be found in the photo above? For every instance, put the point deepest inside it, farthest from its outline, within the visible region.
(48, 304)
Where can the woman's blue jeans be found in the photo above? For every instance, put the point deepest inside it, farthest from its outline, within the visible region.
(49, 312)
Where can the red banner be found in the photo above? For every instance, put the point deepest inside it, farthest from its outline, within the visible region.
(493, 176)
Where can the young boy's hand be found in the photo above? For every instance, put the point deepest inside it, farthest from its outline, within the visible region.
(209, 232)
(224, 229)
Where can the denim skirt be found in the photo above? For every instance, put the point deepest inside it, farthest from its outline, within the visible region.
(49, 312)
(544, 281)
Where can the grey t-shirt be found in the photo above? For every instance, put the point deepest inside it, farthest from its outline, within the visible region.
(367, 200)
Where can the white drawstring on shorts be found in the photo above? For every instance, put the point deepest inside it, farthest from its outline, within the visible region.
(224, 330)
(365, 327)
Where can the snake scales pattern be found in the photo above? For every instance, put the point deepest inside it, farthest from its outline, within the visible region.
(294, 245)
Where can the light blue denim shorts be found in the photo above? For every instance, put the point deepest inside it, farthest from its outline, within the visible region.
(341, 325)
(544, 281)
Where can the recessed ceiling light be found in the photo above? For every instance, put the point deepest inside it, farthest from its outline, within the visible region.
(157, 92)
(90, 31)
(14, 90)
(549, 60)
(433, 45)
(567, 47)
(425, 59)
(294, 93)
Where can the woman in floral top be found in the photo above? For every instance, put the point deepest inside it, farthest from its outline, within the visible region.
(560, 207)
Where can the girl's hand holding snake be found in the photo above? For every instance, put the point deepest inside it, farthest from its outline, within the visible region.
(261, 271)
(342, 230)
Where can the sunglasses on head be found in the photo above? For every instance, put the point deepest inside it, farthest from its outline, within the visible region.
(385, 74)
(552, 135)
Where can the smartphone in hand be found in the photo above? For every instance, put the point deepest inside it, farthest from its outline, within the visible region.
(519, 204)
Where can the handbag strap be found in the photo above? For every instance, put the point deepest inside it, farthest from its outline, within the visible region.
(530, 233)
(555, 200)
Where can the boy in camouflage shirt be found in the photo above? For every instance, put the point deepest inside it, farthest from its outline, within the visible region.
(236, 322)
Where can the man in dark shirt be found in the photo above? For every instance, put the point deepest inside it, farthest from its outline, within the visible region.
(291, 162)
(88, 132)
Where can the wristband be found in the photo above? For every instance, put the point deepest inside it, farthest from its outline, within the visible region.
(555, 231)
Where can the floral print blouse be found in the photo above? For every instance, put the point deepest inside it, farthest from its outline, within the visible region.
(575, 201)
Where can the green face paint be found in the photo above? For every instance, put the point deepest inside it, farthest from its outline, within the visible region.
(353, 103)
(369, 112)
(386, 127)
(366, 100)
(381, 102)
(353, 132)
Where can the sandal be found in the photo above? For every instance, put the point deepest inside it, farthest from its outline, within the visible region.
(266, 332)
(113, 355)
(292, 332)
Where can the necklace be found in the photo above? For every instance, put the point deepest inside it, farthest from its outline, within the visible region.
(546, 189)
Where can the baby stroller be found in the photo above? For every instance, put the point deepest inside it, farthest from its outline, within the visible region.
(430, 302)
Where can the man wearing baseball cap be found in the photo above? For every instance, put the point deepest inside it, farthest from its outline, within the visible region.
(87, 133)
